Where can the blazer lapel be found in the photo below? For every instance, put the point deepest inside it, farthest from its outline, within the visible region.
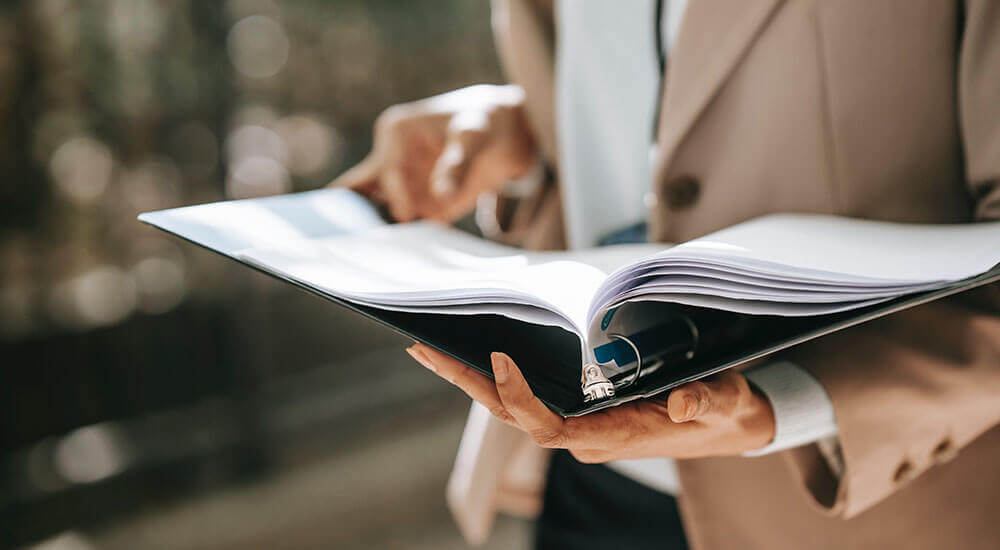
(714, 36)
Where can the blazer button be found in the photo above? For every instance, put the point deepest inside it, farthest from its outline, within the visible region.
(945, 451)
(682, 192)
(905, 472)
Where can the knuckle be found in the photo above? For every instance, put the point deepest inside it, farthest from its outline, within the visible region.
(390, 119)
(516, 399)
(635, 429)
(735, 391)
(732, 379)
(462, 377)
(697, 387)
(392, 114)
(502, 414)
(742, 391)
(699, 390)
(547, 437)
(383, 123)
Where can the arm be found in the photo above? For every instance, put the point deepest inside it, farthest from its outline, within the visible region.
(524, 32)
(910, 390)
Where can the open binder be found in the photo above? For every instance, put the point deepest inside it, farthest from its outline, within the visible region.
(657, 317)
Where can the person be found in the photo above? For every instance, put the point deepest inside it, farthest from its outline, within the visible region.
(884, 435)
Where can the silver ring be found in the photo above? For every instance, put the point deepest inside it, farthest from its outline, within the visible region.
(695, 337)
(638, 356)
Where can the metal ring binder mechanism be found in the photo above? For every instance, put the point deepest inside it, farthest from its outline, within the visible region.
(649, 349)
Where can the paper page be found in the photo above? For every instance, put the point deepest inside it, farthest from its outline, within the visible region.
(231, 226)
(734, 274)
(405, 264)
(848, 249)
(781, 264)
(334, 240)
(754, 307)
(607, 259)
(287, 224)
(741, 292)
(710, 277)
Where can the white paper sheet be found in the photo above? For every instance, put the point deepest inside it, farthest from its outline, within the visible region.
(784, 264)
(790, 264)
(428, 265)
(848, 249)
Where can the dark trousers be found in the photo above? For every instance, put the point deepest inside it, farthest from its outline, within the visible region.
(592, 506)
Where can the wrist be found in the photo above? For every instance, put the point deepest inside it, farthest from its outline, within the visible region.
(801, 407)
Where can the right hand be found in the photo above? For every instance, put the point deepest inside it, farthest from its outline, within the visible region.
(433, 157)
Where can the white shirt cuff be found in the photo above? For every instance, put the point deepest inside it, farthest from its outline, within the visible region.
(803, 412)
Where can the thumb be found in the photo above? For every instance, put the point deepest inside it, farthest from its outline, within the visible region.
(717, 395)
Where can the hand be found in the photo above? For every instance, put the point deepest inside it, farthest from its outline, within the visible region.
(432, 158)
(720, 415)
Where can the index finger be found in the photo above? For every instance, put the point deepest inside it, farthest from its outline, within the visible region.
(605, 430)
(545, 426)
(474, 384)
(362, 177)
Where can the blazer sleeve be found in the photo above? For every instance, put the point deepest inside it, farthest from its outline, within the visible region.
(524, 33)
(911, 389)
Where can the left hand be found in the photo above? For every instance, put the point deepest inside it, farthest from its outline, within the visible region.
(720, 415)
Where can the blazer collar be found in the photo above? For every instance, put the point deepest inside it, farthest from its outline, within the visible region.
(714, 36)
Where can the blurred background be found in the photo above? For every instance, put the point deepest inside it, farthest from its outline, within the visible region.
(153, 395)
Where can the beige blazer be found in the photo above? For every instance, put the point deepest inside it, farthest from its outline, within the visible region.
(879, 109)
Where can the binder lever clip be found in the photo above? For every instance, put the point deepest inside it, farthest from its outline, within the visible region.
(595, 385)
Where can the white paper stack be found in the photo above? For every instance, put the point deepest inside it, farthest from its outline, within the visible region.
(785, 264)
(798, 264)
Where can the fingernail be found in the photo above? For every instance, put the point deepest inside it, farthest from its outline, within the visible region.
(499, 367)
(690, 407)
(421, 358)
